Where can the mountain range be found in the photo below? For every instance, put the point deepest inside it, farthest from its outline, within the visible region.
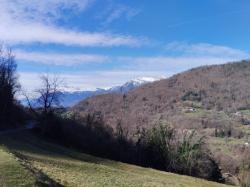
(69, 99)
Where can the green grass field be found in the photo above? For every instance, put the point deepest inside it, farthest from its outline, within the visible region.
(41, 162)
(12, 173)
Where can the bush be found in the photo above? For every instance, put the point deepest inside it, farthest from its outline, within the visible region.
(156, 147)
(163, 149)
(194, 159)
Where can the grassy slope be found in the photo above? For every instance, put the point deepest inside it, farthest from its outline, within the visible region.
(71, 168)
(12, 173)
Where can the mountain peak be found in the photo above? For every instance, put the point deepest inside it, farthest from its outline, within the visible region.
(72, 98)
(132, 84)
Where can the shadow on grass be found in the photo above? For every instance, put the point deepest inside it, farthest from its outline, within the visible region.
(42, 180)
(34, 147)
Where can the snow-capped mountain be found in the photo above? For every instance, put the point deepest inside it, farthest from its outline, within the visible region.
(69, 99)
(130, 85)
(72, 98)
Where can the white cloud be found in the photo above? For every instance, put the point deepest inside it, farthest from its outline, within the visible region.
(59, 59)
(117, 11)
(32, 32)
(173, 64)
(205, 49)
(194, 61)
(30, 21)
(193, 56)
(42, 10)
(142, 63)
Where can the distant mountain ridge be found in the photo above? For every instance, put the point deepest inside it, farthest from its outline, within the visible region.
(71, 98)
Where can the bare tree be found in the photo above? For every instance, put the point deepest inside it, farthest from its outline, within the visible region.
(48, 99)
(49, 94)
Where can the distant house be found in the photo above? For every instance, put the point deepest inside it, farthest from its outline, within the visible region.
(190, 109)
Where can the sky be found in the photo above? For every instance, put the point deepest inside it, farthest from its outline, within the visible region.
(101, 43)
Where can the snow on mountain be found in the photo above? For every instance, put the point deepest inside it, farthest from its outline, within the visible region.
(71, 98)
(132, 84)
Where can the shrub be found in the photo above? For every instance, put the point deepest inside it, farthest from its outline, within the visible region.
(163, 149)
(194, 159)
(156, 146)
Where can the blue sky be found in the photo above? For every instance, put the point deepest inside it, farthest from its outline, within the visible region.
(101, 43)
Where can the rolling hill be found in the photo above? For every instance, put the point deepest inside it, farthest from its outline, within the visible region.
(222, 88)
(27, 160)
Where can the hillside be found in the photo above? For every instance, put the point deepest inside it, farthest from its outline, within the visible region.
(218, 87)
(26, 160)
(214, 100)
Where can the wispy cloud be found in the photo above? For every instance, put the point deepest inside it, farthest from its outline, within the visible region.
(30, 22)
(42, 10)
(58, 58)
(118, 11)
(205, 49)
(182, 56)
(170, 64)
(189, 56)
(114, 11)
(31, 33)
(185, 56)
